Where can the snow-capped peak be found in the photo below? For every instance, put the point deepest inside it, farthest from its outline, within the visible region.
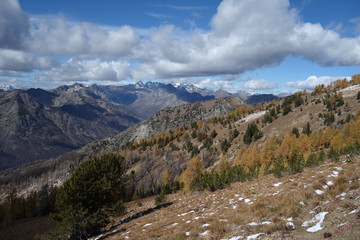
(139, 84)
(6, 87)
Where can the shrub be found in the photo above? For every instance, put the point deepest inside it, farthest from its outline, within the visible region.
(95, 190)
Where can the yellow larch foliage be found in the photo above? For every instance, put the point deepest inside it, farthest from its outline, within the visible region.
(195, 166)
(286, 145)
(355, 79)
(223, 164)
(303, 143)
(238, 158)
(165, 177)
(352, 129)
(270, 150)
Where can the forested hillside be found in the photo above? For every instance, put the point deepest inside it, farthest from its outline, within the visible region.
(282, 137)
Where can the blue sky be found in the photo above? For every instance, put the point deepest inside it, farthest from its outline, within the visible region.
(253, 45)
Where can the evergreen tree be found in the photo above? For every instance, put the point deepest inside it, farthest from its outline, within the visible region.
(307, 129)
(252, 133)
(95, 190)
(295, 131)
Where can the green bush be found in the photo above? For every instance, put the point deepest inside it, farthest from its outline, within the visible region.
(95, 190)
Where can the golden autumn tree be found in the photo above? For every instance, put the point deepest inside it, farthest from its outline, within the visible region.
(223, 165)
(195, 167)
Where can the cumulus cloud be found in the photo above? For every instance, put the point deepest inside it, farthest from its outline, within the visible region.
(313, 81)
(14, 25)
(259, 85)
(245, 35)
(12, 60)
(84, 70)
(55, 36)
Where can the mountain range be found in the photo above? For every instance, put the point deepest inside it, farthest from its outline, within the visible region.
(37, 124)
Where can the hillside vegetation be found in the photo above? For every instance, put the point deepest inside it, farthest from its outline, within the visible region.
(280, 138)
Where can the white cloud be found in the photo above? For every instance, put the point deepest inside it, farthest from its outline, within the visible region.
(56, 36)
(259, 85)
(243, 36)
(85, 70)
(12, 60)
(14, 25)
(313, 81)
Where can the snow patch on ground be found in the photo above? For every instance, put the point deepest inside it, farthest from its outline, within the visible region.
(354, 211)
(334, 174)
(277, 184)
(253, 116)
(254, 236)
(207, 232)
(349, 91)
(236, 238)
(259, 224)
(318, 219)
(319, 192)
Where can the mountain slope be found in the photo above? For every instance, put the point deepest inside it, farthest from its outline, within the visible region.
(35, 128)
(267, 207)
(38, 124)
(55, 171)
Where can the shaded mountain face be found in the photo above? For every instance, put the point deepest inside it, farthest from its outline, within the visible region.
(260, 98)
(35, 127)
(37, 124)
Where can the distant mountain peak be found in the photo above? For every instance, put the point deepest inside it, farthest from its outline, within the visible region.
(6, 87)
(139, 84)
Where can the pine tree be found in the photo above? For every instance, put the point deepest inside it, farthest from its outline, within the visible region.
(95, 190)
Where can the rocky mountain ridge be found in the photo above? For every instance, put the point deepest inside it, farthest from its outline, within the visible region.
(54, 171)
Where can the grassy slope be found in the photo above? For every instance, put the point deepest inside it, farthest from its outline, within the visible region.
(228, 213)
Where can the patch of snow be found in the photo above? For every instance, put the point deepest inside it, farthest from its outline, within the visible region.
(341, 195)
(148, 224)
(223, 220)
(334, 174)
(342, 224)
(329, 183)
(187, 234)
(276, 193)
(171, 225)
(234, 206)
(318, 219)
(290, 219)
(186, 213)
(354, 211)
(290, 225)
(236, 238)
(205, 233)
(253, 116)
(319, 192)
(247, 200)
(254, 236)
(259, 224)
(339, 168)
(206, 225)
(302, 203)
(277, 184)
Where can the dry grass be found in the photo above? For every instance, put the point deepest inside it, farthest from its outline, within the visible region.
(258, 206)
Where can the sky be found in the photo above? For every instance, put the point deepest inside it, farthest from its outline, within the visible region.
(258, 46)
